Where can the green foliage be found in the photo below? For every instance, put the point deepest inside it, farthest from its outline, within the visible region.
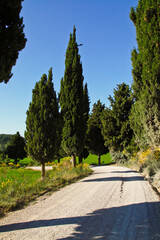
(4, 140)
(2, 158)
(27, 162)
(71, 101)
(116, 128)
(118, 157)
(42, 121)
(84, 154)
(12, 38)
(95, 141)
(16, 148)
(145, 115)
(131, 149)
(86, 104)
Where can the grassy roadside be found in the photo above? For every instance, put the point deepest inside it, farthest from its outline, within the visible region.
(20, 186)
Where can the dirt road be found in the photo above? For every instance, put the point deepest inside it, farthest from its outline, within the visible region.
(115, 203)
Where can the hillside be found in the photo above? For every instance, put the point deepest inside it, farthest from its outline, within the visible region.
(4, 140)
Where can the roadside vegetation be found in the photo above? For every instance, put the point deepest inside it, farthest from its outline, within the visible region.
(146, 161)
(20, 186)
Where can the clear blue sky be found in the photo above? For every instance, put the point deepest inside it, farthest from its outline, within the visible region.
(108, 37)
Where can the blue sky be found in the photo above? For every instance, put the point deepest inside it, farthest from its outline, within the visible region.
(108, 37)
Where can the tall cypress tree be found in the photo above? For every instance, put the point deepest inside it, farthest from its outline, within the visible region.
(42, 122)
(145, 115)
(71, 101)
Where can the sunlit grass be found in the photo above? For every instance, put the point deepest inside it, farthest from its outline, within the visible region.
(93, 159)
(19, 186)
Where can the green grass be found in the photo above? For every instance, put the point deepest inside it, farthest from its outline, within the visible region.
(93, 159)
(20, 186)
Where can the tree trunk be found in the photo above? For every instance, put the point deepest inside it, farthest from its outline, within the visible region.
(80, 159)
(73, 160)
(43, 171)
(99, 159)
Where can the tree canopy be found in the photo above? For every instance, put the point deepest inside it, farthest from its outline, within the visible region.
(116, 126)
(16, 147)
(42, 122)
(145, 114)
(12, 38)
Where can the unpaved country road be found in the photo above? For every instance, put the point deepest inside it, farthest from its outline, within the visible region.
(113, 203)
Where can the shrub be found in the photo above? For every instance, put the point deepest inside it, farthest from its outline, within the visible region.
(118, 156)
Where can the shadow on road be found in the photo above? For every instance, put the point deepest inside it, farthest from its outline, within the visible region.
(129, 171)
(137, 221)
(107, 179)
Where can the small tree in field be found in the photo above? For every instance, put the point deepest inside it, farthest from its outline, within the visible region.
(42, 122)
(16, 148)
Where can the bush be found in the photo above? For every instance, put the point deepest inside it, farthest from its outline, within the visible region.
(118, 157)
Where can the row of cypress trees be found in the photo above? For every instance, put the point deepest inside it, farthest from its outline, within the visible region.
(134, 115)
(47, 129)
(133, 119)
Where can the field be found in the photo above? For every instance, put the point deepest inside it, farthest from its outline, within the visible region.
(20, 186)
(91, 159)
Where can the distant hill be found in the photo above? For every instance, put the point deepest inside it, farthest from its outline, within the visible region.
(4, 140)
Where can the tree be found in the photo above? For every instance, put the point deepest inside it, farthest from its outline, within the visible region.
(86, 108)
(71, 101)
(42, 122)
(116, 129)
(16, 148)
(4, 141)
(12, 38)
(86, 104)
(145, 114)
(95, 141)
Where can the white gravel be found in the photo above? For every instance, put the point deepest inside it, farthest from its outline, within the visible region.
(115, 203)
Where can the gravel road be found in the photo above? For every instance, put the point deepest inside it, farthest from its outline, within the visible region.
(115, 203)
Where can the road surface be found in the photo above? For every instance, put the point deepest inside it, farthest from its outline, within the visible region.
(115, 203)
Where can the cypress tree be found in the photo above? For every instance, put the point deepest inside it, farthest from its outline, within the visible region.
(42, 122)
(12, 38)
(145, 114)
(71, 101)
(86, 109)
(116, 126)
(95, 140)
(86, 105)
